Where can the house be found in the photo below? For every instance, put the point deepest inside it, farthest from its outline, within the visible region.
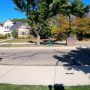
(22, 29)
(8, 24)
(87, 14)
(4, 31)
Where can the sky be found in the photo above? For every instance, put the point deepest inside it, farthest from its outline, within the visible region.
(7, 10)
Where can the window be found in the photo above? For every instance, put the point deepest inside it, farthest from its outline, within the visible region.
(23, 33)
(7, 27)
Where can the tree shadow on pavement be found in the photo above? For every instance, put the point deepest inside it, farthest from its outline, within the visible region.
(78, 59)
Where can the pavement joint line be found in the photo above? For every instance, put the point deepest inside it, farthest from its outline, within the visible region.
(55, 72)
(7, 72)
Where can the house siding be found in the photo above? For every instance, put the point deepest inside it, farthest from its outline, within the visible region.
(8, 24)
(23, 31)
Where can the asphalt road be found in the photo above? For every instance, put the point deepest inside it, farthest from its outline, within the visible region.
(44, 57)
(29, 57)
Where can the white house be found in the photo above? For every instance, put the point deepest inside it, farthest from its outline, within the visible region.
(4, 28)
(4, 31)
(8, 24)
(22, 29)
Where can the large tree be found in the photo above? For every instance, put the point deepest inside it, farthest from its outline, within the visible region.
(76, 8)
(38, 12)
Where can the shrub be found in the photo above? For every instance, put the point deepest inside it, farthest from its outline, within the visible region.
(21, 37)
(25, 37)
(14, 34)
(30, 36)
(3, 36)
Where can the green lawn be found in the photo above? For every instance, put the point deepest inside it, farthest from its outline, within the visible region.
(2, 39)
(24, 43)
(22, 87)
(25, 40)
(78, 88)
(19, 40)
(27, 87)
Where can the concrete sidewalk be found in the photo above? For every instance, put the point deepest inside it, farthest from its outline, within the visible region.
(44, 75)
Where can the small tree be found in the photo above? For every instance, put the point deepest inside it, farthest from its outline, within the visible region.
(81, 26)
(14, 34)
(60, 29)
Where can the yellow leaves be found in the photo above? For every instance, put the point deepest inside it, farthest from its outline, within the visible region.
(54, 29)
(62, 27)
(77, 25)
(65, 26)
(79, 21)
(57, 30)
(82, 25)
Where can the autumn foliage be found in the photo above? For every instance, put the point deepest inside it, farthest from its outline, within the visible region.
(79, 27)
(61, 29)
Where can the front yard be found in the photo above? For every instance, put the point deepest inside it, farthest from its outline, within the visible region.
(29, 42)
(33, 87)
(20, 40)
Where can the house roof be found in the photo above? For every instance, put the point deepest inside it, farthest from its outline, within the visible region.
(8, 20)
(16, 25)
(73, 16)
(88, 14)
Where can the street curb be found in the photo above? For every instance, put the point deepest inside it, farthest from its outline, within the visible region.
(45, 48)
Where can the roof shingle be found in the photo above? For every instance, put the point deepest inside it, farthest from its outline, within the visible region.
(16, 25)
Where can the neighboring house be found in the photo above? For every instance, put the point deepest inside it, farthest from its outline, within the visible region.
(5, 27)
(22, 29)
(8, 24)
(4, 31)
(73, 17)
(87, 14)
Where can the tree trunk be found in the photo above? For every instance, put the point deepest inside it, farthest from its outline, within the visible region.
(70, 29)
(38, 39)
